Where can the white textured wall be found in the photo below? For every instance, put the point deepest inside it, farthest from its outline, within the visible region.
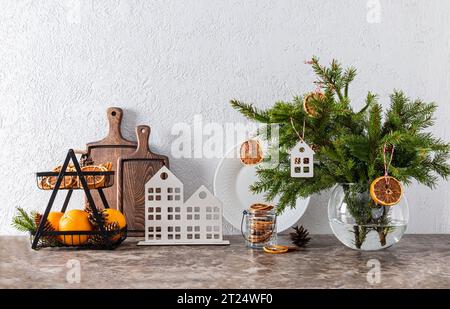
(164, 61)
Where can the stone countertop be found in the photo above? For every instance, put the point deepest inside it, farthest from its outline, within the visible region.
(418, 261)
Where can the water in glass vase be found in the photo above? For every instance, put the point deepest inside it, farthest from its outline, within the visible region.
(361, 224)
(366, 237)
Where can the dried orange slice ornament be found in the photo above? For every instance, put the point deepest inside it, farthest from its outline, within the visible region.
(307, 106)
(251, 152)
(386, 191)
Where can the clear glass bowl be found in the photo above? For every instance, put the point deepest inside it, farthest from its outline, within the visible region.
(361, 224)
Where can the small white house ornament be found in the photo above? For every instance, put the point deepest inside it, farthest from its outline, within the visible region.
(302, 160)
(171, 221)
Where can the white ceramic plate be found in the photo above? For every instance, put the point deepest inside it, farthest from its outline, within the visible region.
(231, 185)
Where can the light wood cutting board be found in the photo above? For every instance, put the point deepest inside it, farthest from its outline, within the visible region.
(133, 172)
(109, 149)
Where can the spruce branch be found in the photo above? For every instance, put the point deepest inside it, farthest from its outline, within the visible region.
(250, 111)
(350, 143)
(23, 221)
(349, 76)
(331, 77)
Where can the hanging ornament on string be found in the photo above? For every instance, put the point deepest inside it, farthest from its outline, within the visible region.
(251, 152)
(309, 109)
(386, 190)
(302, 156)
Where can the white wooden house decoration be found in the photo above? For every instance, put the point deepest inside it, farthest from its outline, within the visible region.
(302, 160)
(171, 221)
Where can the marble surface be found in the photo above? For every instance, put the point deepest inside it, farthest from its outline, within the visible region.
(418, 261)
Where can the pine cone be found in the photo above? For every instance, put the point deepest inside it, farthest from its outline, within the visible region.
(86, 160)
(93, 219)
(113, 229)
(46, 241)
(47, 225)
(300, 237)
(99, 240)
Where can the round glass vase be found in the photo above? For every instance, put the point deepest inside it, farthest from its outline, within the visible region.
(361, 224)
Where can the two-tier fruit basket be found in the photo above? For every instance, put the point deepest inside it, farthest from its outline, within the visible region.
(70, 177)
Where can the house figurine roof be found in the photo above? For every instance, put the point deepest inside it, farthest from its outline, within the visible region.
(296, 148)
(171, 179)
(202, 194)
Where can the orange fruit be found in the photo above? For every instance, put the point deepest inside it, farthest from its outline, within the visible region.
(386, 191)
(307, 106)
(74, 220)
(53, 218)
(251, 152)
(113, 215)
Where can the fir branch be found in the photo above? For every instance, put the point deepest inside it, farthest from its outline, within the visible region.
(350, 143)
(404, 114)
(282, 112)
(349, 76)
(250, 111)
(374, 125)
(23, 221)
(358, 146)
(330, 77)
(439, 164)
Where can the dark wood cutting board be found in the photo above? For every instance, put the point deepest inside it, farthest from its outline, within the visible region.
(133, 172)
(109, 149)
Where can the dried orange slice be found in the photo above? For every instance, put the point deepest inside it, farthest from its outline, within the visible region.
(251, 152)
(67, 182)
(386, 191)
(307, 106)
(107, 165)
(276, 249)
(44, 184)
(260, 207)
(96, 181)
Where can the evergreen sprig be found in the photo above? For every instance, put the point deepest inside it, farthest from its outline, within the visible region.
(250, 111)
(23, 221)
(348, 143)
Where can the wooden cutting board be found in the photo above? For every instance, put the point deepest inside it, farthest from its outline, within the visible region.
(109, 149)
(133, 172)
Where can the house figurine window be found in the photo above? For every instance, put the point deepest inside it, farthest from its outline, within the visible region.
(302, 160)
(171, 221)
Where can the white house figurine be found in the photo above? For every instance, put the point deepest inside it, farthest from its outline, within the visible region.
(171, 221)
(302, 160)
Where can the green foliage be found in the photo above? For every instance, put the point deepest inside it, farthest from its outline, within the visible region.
(350, 143)
(23, 221)
(250, 111)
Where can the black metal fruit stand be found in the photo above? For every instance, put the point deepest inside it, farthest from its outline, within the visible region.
(100, 238)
